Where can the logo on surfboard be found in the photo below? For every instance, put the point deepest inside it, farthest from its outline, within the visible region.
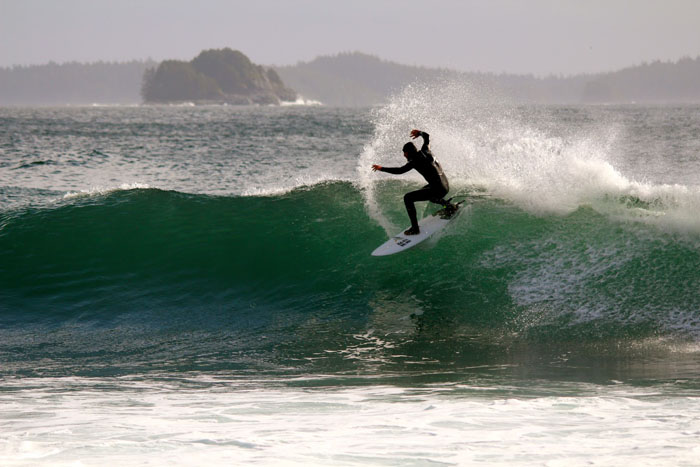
(400, 241)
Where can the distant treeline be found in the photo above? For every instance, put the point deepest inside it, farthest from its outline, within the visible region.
(73, 83)
(349, 79)
(651, 82)
(355, 79)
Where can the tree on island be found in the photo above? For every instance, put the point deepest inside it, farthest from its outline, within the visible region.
(222, 75)
(175, 80)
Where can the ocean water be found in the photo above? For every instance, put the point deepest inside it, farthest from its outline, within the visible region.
(194, 286)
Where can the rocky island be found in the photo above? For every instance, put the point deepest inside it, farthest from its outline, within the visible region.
(215, 76)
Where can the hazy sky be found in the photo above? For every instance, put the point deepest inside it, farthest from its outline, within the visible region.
(537, 36)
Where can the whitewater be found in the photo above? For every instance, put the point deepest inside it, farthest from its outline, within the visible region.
(194, 285)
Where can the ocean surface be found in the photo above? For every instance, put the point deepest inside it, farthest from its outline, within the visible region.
(194, 286)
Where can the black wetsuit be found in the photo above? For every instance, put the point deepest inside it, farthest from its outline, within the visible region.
(437, 187)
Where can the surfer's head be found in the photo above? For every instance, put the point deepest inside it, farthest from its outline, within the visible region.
(409, 150)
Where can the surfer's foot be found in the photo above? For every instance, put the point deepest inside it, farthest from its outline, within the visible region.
(412, 231)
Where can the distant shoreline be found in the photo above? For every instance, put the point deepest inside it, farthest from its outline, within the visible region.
(359, 80)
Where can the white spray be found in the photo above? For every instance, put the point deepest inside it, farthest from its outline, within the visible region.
(484, 142)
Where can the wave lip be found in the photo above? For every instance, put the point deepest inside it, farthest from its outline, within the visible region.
(104, 191)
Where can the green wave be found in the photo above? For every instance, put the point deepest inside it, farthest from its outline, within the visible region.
(300, 263)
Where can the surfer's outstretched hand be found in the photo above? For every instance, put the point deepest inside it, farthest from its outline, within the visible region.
(376, 167)
(415, 134)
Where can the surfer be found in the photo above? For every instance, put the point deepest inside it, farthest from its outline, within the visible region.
(426, 164)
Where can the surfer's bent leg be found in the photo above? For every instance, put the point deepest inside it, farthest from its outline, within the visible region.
(424, 194)
(438, 195)
(438, 199)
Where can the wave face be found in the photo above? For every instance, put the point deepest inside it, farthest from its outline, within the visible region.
(181, 277)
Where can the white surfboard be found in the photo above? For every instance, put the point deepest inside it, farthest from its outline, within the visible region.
(428, 226)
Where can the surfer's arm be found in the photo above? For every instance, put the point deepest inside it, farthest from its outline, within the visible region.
(426, 138)
(396, 170)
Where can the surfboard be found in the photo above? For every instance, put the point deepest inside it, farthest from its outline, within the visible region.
(428, 226)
